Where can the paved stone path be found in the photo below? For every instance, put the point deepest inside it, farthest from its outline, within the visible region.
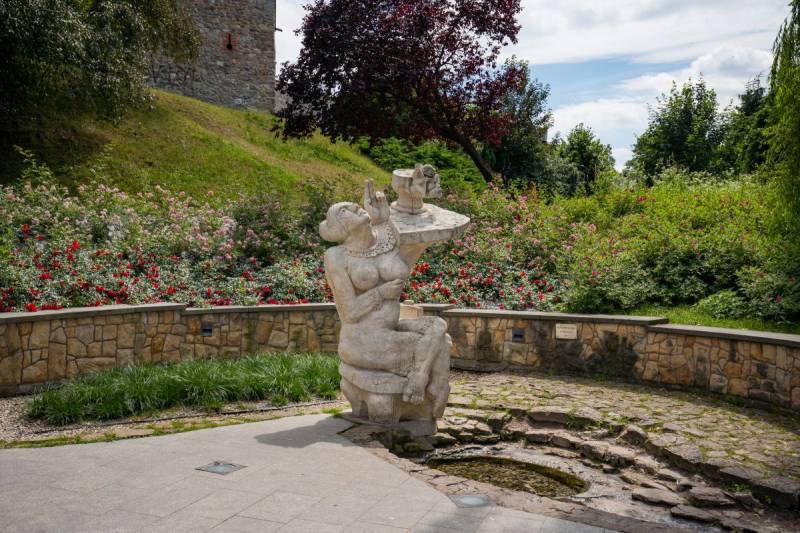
(299, 476)
(726, 435)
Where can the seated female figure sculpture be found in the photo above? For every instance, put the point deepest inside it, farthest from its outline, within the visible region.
(392, 370)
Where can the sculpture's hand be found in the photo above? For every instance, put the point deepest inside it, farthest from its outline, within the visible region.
(414, 391)
(417, 185)
(376, 204)
(391, 290)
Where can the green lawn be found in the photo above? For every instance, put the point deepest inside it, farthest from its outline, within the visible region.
(134, 390)
(188, 145)
(692, 317)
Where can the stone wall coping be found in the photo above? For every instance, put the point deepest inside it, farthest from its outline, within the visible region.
(767, 337)
(81, 312)
(436, 307)
(557, 317)
(278, 308)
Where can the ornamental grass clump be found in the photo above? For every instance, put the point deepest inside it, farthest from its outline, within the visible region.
(141, 389)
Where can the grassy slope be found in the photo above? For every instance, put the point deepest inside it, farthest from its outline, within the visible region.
(188, 145)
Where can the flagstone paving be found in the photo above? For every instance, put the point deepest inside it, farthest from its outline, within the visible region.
(299, 475)
(762, 444)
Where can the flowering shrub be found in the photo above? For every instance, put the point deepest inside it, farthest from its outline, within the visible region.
(675, 243)
(103, 246)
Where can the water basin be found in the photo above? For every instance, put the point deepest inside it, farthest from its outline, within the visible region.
(510, 474)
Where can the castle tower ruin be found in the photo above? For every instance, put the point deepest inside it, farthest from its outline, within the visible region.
(235, 66)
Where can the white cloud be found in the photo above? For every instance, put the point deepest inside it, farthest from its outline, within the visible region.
(621, 156)
(726, 69)
(650, 31)
(605, 116)
(290, 16)
(612, 120)
(645, 30)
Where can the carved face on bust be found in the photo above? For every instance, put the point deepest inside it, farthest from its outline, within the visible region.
(341, 220)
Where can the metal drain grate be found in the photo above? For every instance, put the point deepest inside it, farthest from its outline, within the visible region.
(220, 467)
(471, 500)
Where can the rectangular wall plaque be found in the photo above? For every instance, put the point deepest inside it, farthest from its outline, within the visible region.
(566, 331)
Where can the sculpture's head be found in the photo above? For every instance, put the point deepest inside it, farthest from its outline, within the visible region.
(341, 220)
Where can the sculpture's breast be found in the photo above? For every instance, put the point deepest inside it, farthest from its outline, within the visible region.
(391, 266)
(364, 274)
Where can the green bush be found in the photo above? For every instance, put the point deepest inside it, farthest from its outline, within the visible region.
(723, 304)
(456, 169)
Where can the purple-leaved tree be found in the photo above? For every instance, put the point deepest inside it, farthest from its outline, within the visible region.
(411, 69)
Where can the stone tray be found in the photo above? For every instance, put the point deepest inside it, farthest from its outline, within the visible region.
(432, 225)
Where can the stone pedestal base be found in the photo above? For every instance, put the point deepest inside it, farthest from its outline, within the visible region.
(387, 407)
(418, 428)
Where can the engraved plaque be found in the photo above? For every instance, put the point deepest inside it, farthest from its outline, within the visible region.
(566, 331)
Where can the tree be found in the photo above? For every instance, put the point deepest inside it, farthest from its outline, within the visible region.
(785, 88)
(745, 143)
(522, 152)
(397, 68)
(78, 56)
(684, 131)
(588, 156)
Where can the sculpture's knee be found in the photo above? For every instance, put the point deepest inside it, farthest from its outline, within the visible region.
(438, 326)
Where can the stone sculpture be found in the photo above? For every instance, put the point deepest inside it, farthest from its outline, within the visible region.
(394, 372)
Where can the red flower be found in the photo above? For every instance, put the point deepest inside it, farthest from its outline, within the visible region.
(75, 246)
(45, 275)
(31, 307)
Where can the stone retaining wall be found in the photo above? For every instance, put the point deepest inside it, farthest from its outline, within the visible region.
(47, 346)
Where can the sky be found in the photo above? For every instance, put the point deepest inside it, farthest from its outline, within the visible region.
(607, 61)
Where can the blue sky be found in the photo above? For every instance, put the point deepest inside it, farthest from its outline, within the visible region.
(606, 61)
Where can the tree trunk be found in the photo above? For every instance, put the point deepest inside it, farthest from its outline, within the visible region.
(472, 152)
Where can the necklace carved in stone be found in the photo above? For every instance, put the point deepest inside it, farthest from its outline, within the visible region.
(385, 241)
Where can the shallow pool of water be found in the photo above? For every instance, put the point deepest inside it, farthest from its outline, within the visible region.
(511, 474)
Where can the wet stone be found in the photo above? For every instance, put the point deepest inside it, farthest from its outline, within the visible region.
(779, 490)
(692, 513)
(634, 435)
(565, 440)
(708, 497)
(619, 456)
(657, 497)
(538, 436)
(669, 475)
(739, 474)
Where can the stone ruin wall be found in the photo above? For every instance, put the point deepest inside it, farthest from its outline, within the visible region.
(48, 346)
(236, 63)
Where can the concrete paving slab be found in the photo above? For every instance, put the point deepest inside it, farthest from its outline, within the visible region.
(243, 524)
(299, 475)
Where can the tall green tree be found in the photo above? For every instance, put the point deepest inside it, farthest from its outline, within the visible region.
(785, 88)
(745, 141)
(522, 153)
(685, 130)
(83, 56)
(589, 157)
